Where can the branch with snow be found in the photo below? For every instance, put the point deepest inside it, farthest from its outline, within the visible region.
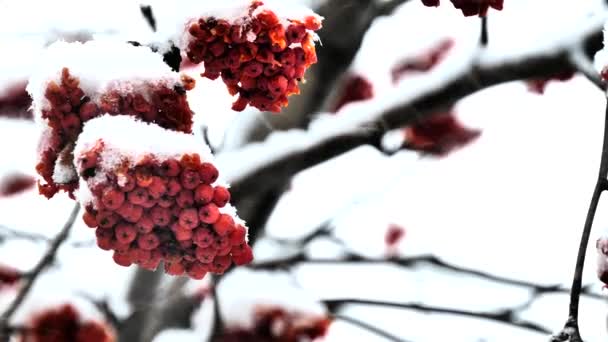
(44, 262)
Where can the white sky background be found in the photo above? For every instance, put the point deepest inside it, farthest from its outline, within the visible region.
(511, 204)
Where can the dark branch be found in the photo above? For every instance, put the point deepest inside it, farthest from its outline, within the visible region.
(571, 329)
(368, 327)
(483, 38)
(46, 260)
(146, 11)
(275, 173)
(505, 316)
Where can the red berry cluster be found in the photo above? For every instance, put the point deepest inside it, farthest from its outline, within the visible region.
(470, 7)
(165, 210)
(439, 134)
(260, 59)
(356, 88)
(9, 276)
(69, 107)
(538, 85)
(15, 103)
(424, 62)
(275, 324)
(64, 324)
(15, 183)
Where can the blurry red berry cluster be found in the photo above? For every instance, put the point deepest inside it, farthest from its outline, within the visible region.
(470, 7)
(165, 210)
(439, 134)
(424, 62)
(9, 276)
(69, 107)
(15, 102)
(15, 183)
(276, 324)
(261, 59)
(64, 324)
(356, 88)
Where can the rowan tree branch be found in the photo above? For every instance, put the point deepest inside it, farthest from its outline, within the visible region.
(571, 330)
(42, 264)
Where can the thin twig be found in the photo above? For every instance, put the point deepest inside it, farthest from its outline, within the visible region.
(146, 11)
(368, 327)
(505, 316)
(46, 260)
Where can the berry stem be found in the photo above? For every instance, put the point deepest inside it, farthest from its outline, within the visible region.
(484, 38)
(43, 263)
(571, 329)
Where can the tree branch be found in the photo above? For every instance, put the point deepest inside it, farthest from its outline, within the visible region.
(505, 316)
(285, 153)
(368, 327)
(46, 260)
(571, 329)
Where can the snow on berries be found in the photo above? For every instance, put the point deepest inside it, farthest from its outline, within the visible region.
(260, 51)
(157, 198)
(76, 82)
(64, 323)
(470, 7)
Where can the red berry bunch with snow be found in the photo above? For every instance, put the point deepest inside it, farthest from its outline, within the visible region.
(73, 87)
(155, 198)
(259, 54)
(64, 324)
(470, 7)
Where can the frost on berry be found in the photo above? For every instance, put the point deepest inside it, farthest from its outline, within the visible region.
(538, 85)
(65, 324)
(423, 62)
(439, 134)
(178, 211)
(261, 54)
(77, 82)
(15, 183)
(470, 7)
(356, 88)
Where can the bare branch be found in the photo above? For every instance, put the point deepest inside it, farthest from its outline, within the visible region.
(368, 327)
(505, 316)
(46, 260)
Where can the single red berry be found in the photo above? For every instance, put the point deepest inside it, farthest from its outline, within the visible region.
(197, 270)
(182, 234)
(122, 259)
(125, 233)
(170, 168)
(166, 201)
(224, 225)
(205, 255)
(107, 219)
(148, 241)
(208, 173)
(190, 179)
(237, 236)
(221, 263)
(174, 268)
(173, 187)
(130, 212)
(105, 243)
(203, 194)
(145, 224)
(138, 196)
(243, 256)
(188, 218)
(112, 199)
(89, 220)
(140, 256)
(185, 199)
(221, 196)
(143, 179)
(209, 213)
(157, 188)
(160, 216)
(149, 203)
(203, 237)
